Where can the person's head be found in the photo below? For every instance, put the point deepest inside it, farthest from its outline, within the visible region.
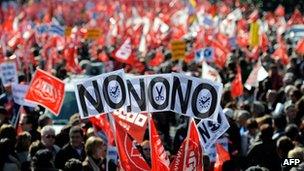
(295, 95)
(242, 117)
(292, 131)
(43, 160)
(44, 120)
(266, 132)
(3, 115)
(96, 148)
(74, 120)
(297, 152)
(271, 96)
(8, 131)
(290, 111)
(279, 122)
(252, 126)
(284, 145)
(73, 165)
(48, 136)
(28, 123)
(76, 136)
(35, 146)
(257, 168)
(23, 142)
(145, 145)
(273, 70)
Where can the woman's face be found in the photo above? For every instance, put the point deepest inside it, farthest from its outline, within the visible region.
(101, 151)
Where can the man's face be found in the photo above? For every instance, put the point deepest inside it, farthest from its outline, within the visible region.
(24, 125)
(76, 140)
(48, 138)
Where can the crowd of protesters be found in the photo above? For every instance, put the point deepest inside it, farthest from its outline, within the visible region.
(266, 122)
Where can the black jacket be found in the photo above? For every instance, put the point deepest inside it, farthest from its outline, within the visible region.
(66, 153)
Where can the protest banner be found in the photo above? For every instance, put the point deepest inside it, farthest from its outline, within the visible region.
(18, 91)
(179, 93)
(178, 48)
(93, 34)
(46, 90)
(210, 131)
(8, 73)
(102, 94)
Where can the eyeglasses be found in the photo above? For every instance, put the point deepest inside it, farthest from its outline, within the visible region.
(50, 136)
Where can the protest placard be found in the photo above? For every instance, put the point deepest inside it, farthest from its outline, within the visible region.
(8, 73)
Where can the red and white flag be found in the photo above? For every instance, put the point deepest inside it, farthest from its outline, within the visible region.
(124, 52)
(190, 154)
(46, 90)
(101, 123)
(208, 72)
(129, 156)
(221, 156)
(159, 157)
(257, 74)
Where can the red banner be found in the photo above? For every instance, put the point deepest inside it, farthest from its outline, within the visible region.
(46, 90)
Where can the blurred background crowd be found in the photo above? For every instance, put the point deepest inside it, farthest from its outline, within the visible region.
(266, 120)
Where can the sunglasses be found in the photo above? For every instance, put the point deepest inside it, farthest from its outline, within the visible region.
(50, 136)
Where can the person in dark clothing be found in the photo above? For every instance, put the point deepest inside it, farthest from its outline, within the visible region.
(263, 152)
(43, 160)
(30, 124)
(74, 149)
(73, 165)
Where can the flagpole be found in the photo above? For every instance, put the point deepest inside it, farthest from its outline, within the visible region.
(187, 144)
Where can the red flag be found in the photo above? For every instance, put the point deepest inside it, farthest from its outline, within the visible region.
(220, 53)
(281, 54)
(46, 90)
(280, 11)
(300, 47)
(236, 85)
(264, 42)
(124, 52)
(101, 123)
(134, 123)
(130, 157)
(159, 157)
(157, 60)
(296, 18)
(190, 154)
(221, 156)
(254, 16)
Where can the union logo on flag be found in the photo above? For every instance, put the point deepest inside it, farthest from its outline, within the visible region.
(47, 91)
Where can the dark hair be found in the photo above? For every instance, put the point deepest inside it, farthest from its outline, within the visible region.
(73, 165)
(284, 145)
(266, 132)
(280, 121)
(30, 119)
(252, 123)
(75, 130)
(35, 146)
(21, 144)
(292, 131)
(43, 160)
(43, 120)
(8, 131)
(4, 151)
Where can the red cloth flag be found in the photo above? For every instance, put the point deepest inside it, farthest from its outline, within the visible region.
(236, 85)
(157, 60)
(135, 124)
(296, 18)
(281, 54)
(280, 11)
(264, 42)
(220, 53)
(124, 53)
(159, 157)
(190, 154)
(300, 47)
(130, 157)
(101, 123)
(221, 156)
(254, 16)
(46, 90)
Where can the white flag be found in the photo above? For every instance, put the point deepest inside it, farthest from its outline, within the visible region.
(257, 74)
(210, 73)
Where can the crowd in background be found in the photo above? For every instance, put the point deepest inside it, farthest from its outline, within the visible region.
(266, 122)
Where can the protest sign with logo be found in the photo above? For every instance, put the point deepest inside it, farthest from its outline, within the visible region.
(204, 54)
(178, 48)
(8, 73)
(254, 36)
(210, 131)
(46, 90)
(67, 31)
(102, 94)
(179, 93)
(18, 91)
